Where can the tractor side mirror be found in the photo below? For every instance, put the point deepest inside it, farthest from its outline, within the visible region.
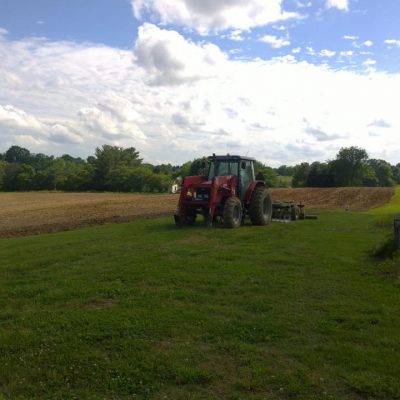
(243, 165)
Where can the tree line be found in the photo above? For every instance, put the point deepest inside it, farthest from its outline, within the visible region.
(111, 168)
(114, 168)
(351, 167)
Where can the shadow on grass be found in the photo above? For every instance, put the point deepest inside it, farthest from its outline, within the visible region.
(388, 248)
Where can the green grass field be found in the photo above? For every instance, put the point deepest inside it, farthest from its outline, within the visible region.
(147, 311)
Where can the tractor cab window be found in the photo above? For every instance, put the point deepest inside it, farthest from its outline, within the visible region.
(222, 168)
(246, 176)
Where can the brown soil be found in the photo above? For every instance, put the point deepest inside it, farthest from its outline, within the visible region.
(355, 199)
(40, 212)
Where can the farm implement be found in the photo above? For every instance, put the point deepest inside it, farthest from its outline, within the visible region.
(283, 211)
(228, 194)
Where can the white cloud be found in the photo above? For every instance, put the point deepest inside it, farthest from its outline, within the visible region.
(340, 4)
(327, 53)
(350, 37)
(319, 134)
(347, 53)
(369, 62)
(61, 97)
(299, 4)
(393, 42)
(16, 123)
(236, 35)
(274, 41)
(3, 32)
(296, 50)
(311, 51)
(213, 15)
(368, 43)
(169, 59)
(13, 117)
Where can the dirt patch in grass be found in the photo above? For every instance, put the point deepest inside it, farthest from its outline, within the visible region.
(98, 304)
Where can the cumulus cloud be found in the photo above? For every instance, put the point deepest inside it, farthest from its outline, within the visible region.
(327, 53)
(236, 35)
(15, 118)
(213, 15)
(174, 99)
(340, 4)
(18, 124)
(393, 42)
(274, 41)
(170, 59)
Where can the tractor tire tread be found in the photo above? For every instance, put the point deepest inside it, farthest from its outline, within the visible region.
(256, 209)
(229, 216)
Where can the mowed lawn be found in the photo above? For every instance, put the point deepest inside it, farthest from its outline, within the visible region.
(148, 311)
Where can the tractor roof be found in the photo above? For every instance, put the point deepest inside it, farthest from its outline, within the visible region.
(229, 157)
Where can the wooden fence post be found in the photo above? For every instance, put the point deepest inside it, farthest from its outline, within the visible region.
(397, 230)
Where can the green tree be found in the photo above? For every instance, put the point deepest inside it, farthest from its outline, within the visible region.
(383, 171)
(183, 170)
(265, 173)
(167, 169)
(18, 177)
(57, 172)
(17, 154)
(349, 166)
(199, 166)
(108, 158)
(396, 173)
(40, 161)
(369, 177)
(320, 175)
(3, 165)
(285, 170)
(300, 175)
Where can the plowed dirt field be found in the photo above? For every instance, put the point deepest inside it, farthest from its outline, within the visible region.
(354, 199)
(40, 212)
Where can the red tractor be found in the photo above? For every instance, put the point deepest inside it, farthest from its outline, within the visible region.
(228, 192)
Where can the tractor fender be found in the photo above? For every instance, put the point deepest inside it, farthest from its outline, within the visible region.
(250, 190)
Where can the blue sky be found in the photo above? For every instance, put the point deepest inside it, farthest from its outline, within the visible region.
(262, 77)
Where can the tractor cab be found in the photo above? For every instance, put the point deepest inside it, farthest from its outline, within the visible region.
(240, 167)
(227, 193)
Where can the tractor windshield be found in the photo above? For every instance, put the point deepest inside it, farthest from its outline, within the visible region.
(223, 168)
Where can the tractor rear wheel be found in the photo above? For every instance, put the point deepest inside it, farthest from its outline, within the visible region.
(260, 209)
(232, 212)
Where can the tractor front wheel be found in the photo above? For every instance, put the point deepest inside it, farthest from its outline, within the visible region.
(190, 219)
(260, 209)
(232, 212)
